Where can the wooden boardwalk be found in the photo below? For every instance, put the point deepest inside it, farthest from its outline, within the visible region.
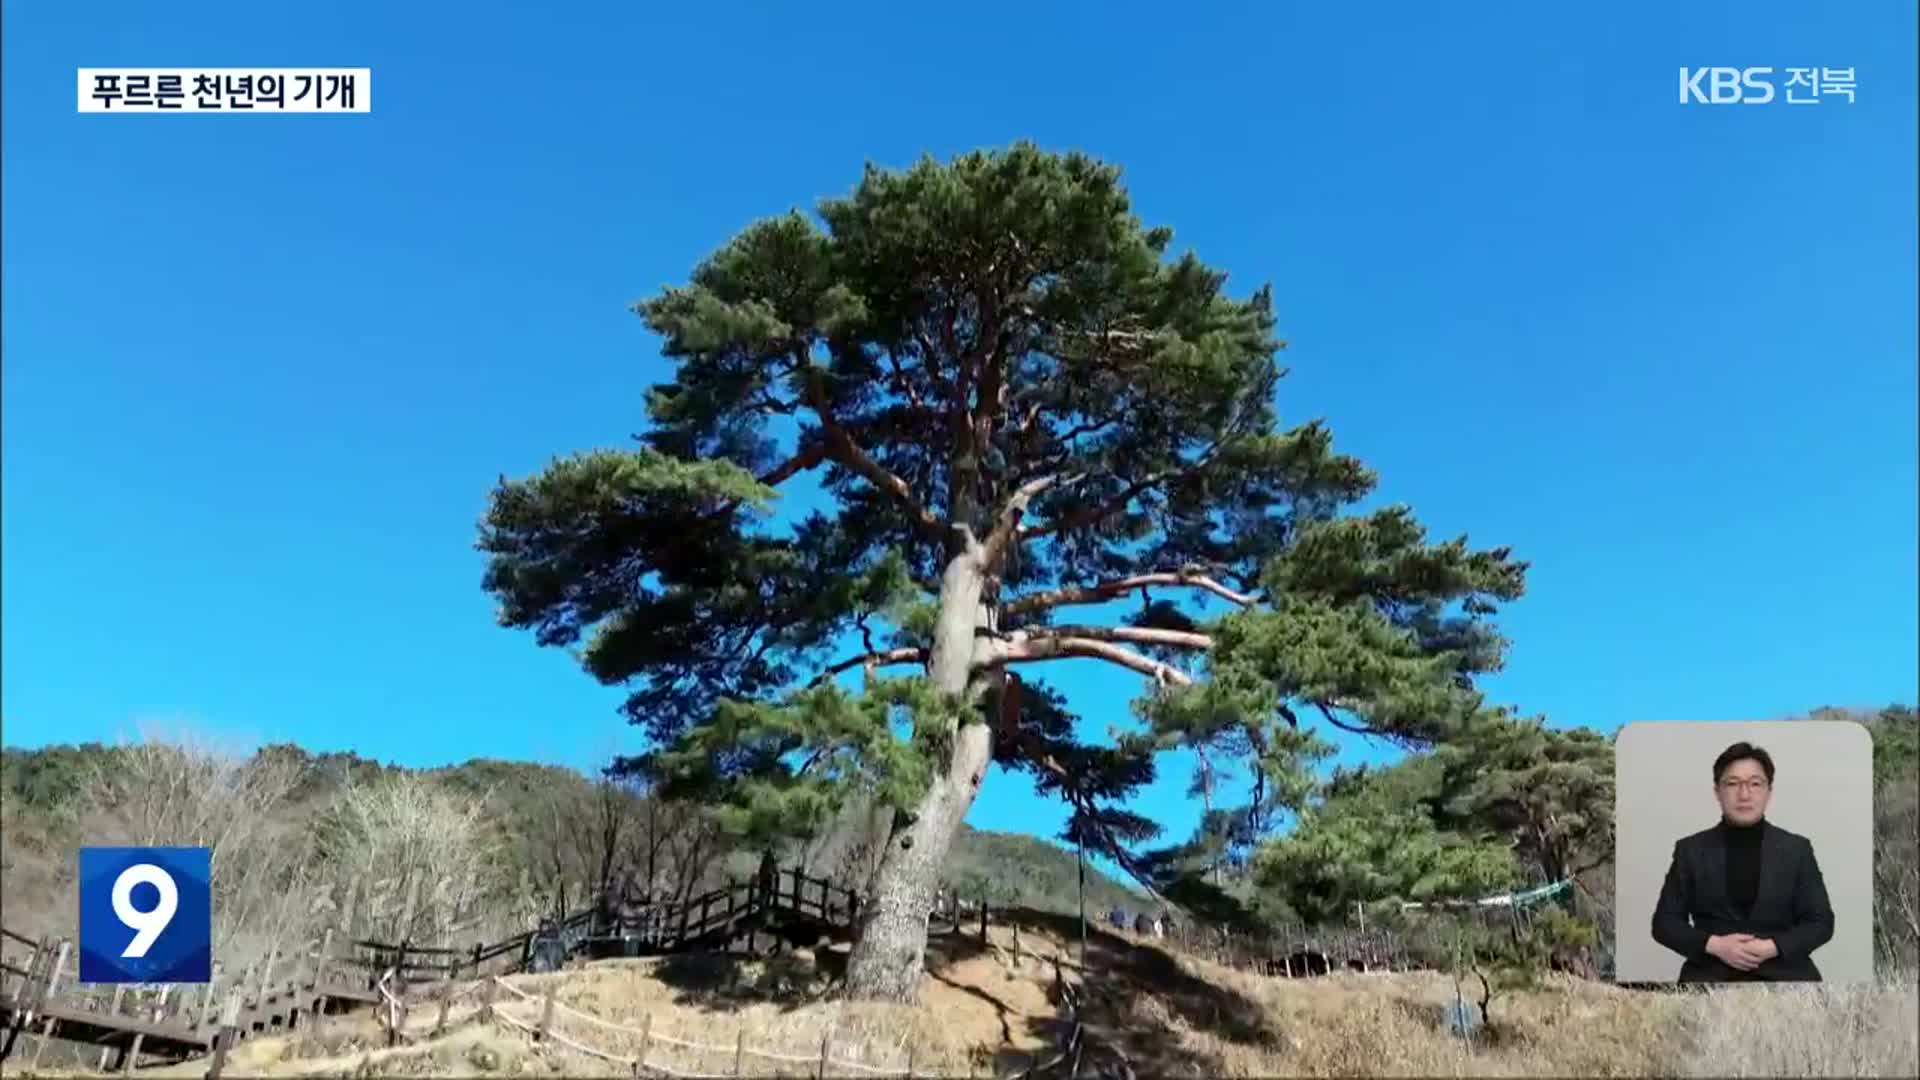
(40, 996)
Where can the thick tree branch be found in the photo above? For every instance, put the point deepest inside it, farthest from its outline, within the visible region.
(842, 448)
(1022, 649)
(1092, 515)
(779, 474)
(1136, 635)
(1007, 522)
(1112, 590)
(929, 353)
(819, 754)
(962, 375)
(807, 459)
(876, 658)
(1327, 713)
(904, 384)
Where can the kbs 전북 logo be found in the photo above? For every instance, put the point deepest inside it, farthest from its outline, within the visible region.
(146, 915)
(1760, 86)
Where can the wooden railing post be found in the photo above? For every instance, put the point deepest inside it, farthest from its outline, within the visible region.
(26, 979)
(47, 992)
(487, 989)
(205, 1016)
(266, 973)
(320, 961)
(407, 912)
(546, 1011)
(37, 969)
(133, 1052)
(446, 1002)
(349, 908)
(36, 974)
(323, 967)
(223, 1039)
(52, 987)
(395, 1018)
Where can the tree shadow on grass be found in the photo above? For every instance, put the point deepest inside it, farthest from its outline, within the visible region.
(999, 1007)
(1119, 973)
(786, 977)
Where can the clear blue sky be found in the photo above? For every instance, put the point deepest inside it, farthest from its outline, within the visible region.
(260, 373)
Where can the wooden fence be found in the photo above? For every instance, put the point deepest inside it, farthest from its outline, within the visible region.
(786, 899)
(545, 1013)
(40, 995)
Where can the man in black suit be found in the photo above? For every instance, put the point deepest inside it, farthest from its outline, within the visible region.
(1744, 900)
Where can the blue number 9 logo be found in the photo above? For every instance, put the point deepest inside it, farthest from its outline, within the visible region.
(146, 915)
(147, 925)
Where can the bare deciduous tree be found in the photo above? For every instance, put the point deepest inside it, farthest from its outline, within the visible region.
(848, 851)
(677, 847)
(407, 859)
(1896, 872)
(184, 790)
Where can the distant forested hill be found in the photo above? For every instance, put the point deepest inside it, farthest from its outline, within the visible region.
(540, 835)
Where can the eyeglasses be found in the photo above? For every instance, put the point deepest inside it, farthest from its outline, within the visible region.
(1732, 786)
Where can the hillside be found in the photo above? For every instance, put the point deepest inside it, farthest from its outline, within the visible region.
(993, 1010)
(535, 815)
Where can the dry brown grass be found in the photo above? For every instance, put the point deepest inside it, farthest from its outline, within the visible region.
(990, 1011)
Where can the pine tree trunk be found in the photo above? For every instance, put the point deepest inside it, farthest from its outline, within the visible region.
(889, 952)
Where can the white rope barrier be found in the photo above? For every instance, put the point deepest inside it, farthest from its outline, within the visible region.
(512, 989)
(797, 1059)
(871, 1070)
(532, 1029)
(707, 1048)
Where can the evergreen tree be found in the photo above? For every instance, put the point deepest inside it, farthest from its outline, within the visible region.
(1548, 791)
(1374, 835)
(1017, 404)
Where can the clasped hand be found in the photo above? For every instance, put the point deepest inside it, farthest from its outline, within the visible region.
(1741, 952)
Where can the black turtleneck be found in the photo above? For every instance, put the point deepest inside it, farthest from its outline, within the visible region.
(1743, 864)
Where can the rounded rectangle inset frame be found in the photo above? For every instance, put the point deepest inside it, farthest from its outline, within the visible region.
(1822, 791)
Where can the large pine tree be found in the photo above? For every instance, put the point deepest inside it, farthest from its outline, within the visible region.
(1017, 405)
